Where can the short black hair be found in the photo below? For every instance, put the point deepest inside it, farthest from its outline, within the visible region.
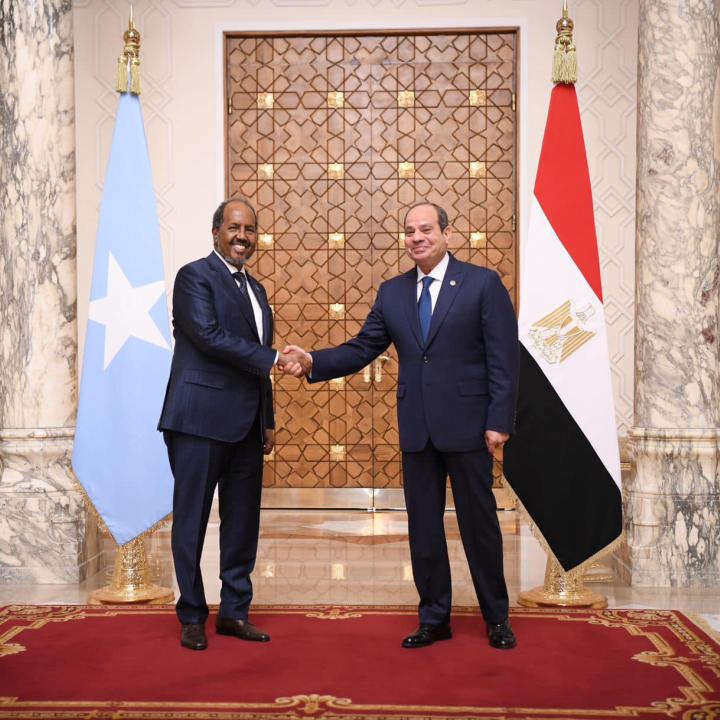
(220, 211)
(442, 216)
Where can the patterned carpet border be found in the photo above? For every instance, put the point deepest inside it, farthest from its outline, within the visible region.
(674, 641)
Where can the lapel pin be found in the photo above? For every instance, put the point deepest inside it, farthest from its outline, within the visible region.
(453, 283)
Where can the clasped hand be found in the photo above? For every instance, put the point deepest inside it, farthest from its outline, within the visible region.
(293, 360)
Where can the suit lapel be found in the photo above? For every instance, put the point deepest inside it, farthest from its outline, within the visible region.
(448, 292)
(410, 303)
(228, 283)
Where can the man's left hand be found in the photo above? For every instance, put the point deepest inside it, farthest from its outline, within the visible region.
(494, 440)
(269, 442)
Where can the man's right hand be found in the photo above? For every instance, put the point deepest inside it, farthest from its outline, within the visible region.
(293, 360)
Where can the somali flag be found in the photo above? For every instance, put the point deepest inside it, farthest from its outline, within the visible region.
(119, 457)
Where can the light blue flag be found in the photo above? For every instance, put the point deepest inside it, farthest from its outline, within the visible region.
(119, 457)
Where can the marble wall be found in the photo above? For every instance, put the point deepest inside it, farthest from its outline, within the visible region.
(673, 496)
(44, 527)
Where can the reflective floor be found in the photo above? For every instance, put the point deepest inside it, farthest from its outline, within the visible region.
(356, 557)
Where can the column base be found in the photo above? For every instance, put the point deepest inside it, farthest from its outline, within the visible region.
(48, 535)
(672, 509)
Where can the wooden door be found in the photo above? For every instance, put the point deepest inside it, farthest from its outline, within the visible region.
(332, 137)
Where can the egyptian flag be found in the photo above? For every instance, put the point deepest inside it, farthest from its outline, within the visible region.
(563, 461)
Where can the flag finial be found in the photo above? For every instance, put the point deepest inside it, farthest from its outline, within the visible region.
(565, 69)
(129, 61)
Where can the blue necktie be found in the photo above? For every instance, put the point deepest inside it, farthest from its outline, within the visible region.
(425, 307)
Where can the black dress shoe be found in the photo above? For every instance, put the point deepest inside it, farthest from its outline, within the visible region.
(193, 636)
(501, 635)
(240, 629)
(427, 635)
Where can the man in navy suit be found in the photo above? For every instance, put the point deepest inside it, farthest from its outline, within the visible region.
(218, 421)
(456, 336)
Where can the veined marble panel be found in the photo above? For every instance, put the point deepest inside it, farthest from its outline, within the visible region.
(47, 534)
(672, 508)
(37, 205)
(678, 216)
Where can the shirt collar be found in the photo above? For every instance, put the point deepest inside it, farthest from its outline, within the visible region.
(230, 267)
(438, 272)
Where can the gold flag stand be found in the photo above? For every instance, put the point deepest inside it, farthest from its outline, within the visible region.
(131, 582)
(562, 589)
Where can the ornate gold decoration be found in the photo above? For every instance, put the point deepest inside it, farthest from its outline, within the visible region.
(406, 98)
(11, 649)
(266, 240)
(313, 704)
(562, 589)
(477, 169)
(129, 61)
(337, 453)
(401, 239)
(336, 240)
(337, 383)
(565, 68)
(266, 171)
(336, 311)
(477, 97)
(265, 101)
(335, 99)
(335, 613)
(562, 332)
(478, 239)
(336, 171)
(406, 170)
(131, 579)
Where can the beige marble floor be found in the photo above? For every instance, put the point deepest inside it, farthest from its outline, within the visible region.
(355, 557)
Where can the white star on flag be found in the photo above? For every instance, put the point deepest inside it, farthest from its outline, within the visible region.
(125, 312)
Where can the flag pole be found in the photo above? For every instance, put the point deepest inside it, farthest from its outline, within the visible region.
(131, 581)
(561, 588)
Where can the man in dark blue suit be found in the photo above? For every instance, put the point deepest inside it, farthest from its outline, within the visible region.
(455, 332)
(217, 421)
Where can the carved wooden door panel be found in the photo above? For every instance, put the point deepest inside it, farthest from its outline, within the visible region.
(331, 137)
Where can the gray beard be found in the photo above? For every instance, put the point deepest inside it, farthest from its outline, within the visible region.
(232, 261)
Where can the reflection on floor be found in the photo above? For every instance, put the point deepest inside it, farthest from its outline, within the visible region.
(355, 557)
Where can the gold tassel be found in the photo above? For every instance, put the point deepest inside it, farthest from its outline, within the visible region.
(571, 65)
(565, 65)
(558, 65)
(135, 77)
(121, 81)
(129, 61)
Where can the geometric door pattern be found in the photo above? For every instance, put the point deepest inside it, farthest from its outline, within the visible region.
(331, 137)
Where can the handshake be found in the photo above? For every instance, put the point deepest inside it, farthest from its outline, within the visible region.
(293, 360)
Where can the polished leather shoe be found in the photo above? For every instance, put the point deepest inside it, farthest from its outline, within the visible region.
(427, 635)
(501, 635)
(240, 629)
(193, 636)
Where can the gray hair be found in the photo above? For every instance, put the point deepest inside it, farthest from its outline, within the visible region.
(220, 211)
(442, 216)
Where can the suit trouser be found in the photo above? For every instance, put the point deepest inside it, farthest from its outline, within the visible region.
(425, 474)
(199, 465)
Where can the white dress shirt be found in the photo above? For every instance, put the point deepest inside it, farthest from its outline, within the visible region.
(437, 274)
(257, 312)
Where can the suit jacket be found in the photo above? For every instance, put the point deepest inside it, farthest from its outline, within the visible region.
(463, 379)
(220, 373)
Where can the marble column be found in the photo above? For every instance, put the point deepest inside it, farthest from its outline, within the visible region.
(46, 533)
(672, 499)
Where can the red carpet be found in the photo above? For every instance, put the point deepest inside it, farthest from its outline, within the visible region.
(332, 663)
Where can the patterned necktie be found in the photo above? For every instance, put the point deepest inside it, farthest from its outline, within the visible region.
(242, 280)
(425, 307)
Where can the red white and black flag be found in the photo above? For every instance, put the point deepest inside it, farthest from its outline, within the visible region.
(562, 461)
